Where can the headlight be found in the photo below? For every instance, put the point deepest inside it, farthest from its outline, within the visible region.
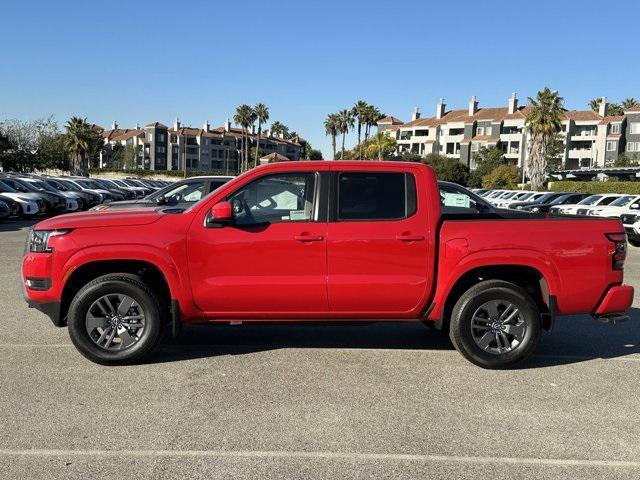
(535, 209)
(38, 240)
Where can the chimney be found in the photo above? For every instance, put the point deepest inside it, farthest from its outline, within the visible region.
(603, 107)
(253, 129)
(137, 126)
(114, 125)
(267, 132)
(473, 106)
(206, 126)
(227, 125)
(416, 114)
(513, 104)
(440, 108)
(176, 124)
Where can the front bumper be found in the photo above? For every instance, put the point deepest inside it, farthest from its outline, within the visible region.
(614, 304)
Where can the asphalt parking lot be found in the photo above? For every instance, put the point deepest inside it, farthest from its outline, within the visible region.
(378, 401)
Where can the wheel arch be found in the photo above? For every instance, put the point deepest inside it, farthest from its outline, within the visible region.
(527, 277)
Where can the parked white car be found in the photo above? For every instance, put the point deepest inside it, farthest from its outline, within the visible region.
(621, 205)
(582, 207)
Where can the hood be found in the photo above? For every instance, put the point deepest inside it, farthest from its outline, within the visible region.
(116, 218)
(29, 197)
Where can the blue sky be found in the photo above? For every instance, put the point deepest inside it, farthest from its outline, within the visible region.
(147, 61)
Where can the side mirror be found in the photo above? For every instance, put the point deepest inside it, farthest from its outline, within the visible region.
(634, 206)
(220, 213)
(161, 200)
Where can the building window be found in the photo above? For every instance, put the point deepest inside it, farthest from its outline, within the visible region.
(488, 131)
(480, 131)
(475, 147)
(635, 128)
(162, 137)
(631, 147)
(615, 128)
(161, 149)
(151, 137)
(611, 146)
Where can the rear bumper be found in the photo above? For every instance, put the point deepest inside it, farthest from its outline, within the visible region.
(616, 301)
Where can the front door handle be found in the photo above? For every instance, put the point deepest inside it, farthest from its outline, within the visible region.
(308, 238)
(410, 238)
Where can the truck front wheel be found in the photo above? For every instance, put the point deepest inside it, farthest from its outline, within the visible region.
(495, 324)
(115, 319)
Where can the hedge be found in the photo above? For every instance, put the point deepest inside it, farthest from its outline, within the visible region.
(158, 173)
(630, 188)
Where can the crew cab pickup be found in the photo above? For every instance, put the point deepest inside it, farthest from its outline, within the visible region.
(324, 241)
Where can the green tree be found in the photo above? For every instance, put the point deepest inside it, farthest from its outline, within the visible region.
(381, 146)
(371, 117)
(117, 157)
(359, 112)
(503, 176)
(262, 116)
(315, 155)
(543, 121)
(278, 128)
(81, 142)
(628, 103)
(555, 152)
(244, 118)
(129, 158)
(332, 127)
(447, 169)
(51, 151)
(615, 109)
(346, 123)
(486, 159)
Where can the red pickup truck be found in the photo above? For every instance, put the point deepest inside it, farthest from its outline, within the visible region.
(318, 241)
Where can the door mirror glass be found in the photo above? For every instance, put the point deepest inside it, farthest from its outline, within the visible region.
(635, 206)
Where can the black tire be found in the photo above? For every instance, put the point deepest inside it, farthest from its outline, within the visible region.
(462, 334)
(634, 242)
(120, 283)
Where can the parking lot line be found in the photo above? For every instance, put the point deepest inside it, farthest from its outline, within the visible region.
(258, 454)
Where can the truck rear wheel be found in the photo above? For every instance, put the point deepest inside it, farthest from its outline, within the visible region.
(495, 324)
(115, 319)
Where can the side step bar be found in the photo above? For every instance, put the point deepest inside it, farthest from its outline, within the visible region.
(612, 318)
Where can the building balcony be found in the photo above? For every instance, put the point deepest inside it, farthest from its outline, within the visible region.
(510, 137)
(451, 138)
(583, 137)
(579, 153)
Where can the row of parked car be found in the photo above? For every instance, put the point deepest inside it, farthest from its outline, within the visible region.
(26, 195)
(613, 205)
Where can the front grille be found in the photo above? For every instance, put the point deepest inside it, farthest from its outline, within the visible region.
(628, 219)
(582, 211)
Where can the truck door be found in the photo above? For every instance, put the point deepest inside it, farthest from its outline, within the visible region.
(271, 260)
(379, 254)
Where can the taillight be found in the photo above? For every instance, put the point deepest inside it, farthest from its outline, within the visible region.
(619, 253)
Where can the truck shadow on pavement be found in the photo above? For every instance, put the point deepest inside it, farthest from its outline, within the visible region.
(574, 339)
(13, 225)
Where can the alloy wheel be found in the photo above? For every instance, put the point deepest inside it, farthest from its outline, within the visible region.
(498, 327)
(115, 322)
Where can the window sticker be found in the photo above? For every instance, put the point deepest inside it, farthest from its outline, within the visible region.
(456, 200)
(297, 215)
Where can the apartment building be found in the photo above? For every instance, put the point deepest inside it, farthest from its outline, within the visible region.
(159, 147)
(590, 138)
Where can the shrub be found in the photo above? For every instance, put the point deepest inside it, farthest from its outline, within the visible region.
(630, 188)
(504, 176)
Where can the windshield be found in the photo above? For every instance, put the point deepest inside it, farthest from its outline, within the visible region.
(590, 200)
(20, 186)
(525, 196)
(56, 185)
(6, 188)
(87, 184)
(622, 201)
(42, 186)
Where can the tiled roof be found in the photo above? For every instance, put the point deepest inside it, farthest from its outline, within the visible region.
(581, 115)
(612, 119)
(390, 119)
(635, 108)
(483, 138)
(275, 157)
(157, 125)
(127, 134)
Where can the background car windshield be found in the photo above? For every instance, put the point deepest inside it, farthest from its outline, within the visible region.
(187, 192)
(6, 188)
(622, 201)
(458, 201)
(590, 200)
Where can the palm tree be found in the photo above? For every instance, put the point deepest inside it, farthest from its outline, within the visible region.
(359, 111)
(243, 118)
(381, 144)
(262, 115)
(331, 127)
(76, 142)
(278, 128)
(346, 123)
(372, 115)
(628, 103)
(594, 104)
(544, 122)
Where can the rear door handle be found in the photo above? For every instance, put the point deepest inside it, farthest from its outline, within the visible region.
(410, 238)
(308, 238)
